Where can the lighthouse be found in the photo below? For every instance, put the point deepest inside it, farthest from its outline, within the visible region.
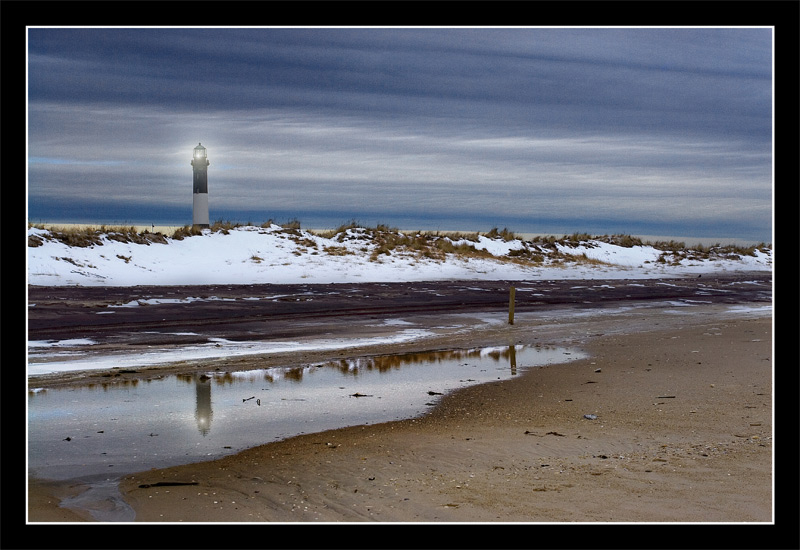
(200, 187)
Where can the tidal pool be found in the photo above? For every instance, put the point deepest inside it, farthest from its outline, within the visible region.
(105, 431)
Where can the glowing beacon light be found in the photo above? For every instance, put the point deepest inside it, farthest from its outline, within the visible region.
(200, 187)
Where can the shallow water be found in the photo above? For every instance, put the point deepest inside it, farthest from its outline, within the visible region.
(106, 431)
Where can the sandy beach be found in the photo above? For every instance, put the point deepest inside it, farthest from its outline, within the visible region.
(683, 433)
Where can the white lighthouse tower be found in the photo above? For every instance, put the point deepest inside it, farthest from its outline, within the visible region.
(200, 188)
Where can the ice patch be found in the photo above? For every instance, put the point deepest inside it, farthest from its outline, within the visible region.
(396, 322)
(765, 309)
(216, 348)
(60, 343)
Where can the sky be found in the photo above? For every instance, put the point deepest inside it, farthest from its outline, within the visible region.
(643, 131)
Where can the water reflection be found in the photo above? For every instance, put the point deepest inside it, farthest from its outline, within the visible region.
(351, 367)
(129, 425)
(387, 363)
(202, 412)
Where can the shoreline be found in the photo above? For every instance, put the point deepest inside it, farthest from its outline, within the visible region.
(672, 442)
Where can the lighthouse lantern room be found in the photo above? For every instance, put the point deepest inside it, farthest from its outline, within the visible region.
(200, 187)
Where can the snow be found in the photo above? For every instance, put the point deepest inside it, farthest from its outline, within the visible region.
(77, 359)
(251, 255)
(617, 255)
(496, 247)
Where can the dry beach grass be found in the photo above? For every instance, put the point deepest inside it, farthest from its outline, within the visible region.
(385, 241)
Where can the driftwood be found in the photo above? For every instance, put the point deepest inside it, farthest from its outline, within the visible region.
(166, 484)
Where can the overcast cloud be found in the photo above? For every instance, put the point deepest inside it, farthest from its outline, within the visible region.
(640, 131)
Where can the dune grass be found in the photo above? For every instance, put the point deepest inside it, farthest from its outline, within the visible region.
(383, 241)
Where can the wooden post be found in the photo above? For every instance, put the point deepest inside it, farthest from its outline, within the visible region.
(511, 293)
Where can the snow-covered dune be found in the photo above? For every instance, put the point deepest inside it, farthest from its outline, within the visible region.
(274, 254)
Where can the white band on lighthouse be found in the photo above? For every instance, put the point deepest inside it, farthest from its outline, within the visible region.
(200, 209)
(199, 187)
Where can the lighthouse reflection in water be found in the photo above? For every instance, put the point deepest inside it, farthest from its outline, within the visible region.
(123, 427)
(203, 412)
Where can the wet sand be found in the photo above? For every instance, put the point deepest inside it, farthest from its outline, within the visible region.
(683, 433)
